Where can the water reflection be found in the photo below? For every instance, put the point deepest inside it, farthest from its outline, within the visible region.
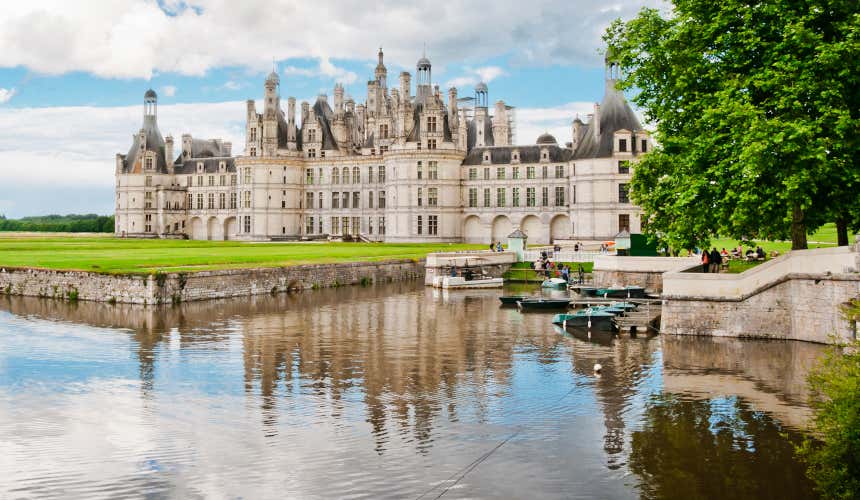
(389, 391)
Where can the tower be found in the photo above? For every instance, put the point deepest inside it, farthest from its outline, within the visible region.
(481, 115)
(423, 79)
(271, 106)
(381, 74)
(150, 104)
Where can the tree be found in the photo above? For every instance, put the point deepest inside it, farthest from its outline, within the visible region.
(757, 112)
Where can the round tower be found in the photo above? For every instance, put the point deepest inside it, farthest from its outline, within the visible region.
(150, 103)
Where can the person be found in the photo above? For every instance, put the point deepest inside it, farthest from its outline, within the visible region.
(499, 246)
(556, 248)
(759, 252)
(491, 247)
(547, 269)
(705, 262)
(716, 259)
(724, 252)
(565, 273)
(581, 275)
(576, 247)
(453, 271)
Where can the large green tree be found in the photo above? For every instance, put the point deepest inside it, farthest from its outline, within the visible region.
(757, 113)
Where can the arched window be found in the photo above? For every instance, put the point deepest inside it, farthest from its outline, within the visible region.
(335, 176)
(345, 175)
(356, 175)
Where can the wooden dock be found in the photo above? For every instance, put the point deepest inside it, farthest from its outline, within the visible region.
(640, 320)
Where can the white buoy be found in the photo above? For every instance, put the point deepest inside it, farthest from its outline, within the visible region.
(597, 367)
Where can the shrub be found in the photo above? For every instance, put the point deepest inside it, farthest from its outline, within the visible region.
(832, 453)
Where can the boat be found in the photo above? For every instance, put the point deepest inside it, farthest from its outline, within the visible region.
(598, 320)
(588, 291)
(542, 304)
(511, 300)
(455, 282)
(554, 283)
(629, 292)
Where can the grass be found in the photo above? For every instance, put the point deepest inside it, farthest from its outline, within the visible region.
(522, 271)
(824, 237)
(123, 256)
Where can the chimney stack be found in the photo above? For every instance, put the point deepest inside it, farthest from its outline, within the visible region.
(227, 148)
(405, 84)
(168, 152)
(596, 121)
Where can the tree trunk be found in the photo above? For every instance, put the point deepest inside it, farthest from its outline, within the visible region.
(798, 229)
(842, 231)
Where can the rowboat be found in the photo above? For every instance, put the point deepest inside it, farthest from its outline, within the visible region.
(554, 283)
(630, 292)
(511, 300)
(542, 304)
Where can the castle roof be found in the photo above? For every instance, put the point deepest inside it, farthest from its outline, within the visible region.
(546, 138)
(528, 154)
(615, 114)
(154, 143)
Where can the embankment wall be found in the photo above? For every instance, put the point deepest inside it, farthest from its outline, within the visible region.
(202, 285)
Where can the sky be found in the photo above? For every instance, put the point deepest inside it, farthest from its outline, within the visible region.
(73, 72)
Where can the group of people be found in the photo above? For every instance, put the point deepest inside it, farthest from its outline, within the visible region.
(712, 260)
(496, 247)
(551, 269)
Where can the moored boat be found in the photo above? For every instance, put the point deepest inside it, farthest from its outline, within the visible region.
(543, 304)
(454, 282)
(511, 300)
(630, 292)
(554, 283)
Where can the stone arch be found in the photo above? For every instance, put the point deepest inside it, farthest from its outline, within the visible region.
(533, 227)
(560, 228)
(501, 228)
(213, 229)
(231, 227)
(473, 232)
(197, 230)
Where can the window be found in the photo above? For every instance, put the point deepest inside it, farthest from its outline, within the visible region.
(356, 199)
(381, 203)
(432, 197)
(344, 174)
(344, 198)
(473, 197)
(309, 225)
(188, 181)
(222, 181)
(644, 148)
(233, 200)
(356, 225)
(487, 174)
(199, 201)
(515, 197)
(247, 224)
(148, 163)
(623, 193)
(222, 201)
(418, 226)
(320, 225)
(370, 225)
(432, 224)
(544, 197)
(309, 176)
(515, 156)
(382, 225)
(515, 172)
(473, 174)
(573, 194)
(486, 156)
(344, 225)
(559, 196)
(383, 131)
(420, 190)
(623, 167)
(544, 172)
(530, 172)
(431, 143)
(312, 135)
(309, 200)
(211, 180)
(335, 224)
(433, 170)
(247, 199)
(148, 197)
(559, 171)
(320, 201)
(622, 145)
(381, 174)
(335, 200)
(210, 201)
(419, 170)
(500, 197)
(500, 172)
(253, 133)
(253, 151)
(356, 175)
(370, 199)
(431, 124)
(486, 197)
(370, 175)
(200, 180)
(312, 153)
(530, 197)
(233, 180)
(383, 150)
(284, 181)
(623, 222)
(335, 175)
(148, 182)
(247, 179)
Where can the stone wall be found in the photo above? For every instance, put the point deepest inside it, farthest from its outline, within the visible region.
(203, 285)
(646, 272)
(797, 307)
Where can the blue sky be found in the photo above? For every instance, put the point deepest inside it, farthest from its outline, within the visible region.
(72, 74)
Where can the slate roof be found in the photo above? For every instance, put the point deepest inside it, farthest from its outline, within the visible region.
(501, 155)
(615, 114)
(210, 165)
(154, 142)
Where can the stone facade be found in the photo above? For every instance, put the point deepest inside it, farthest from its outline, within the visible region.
(203, 285)
(646, 272)
(398, 167)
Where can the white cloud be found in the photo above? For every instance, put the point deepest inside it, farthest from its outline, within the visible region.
(168, 90)
(484, 74)
(531, 122)
(7, 94)
(232, 85)
(325, 69)
(135, 38)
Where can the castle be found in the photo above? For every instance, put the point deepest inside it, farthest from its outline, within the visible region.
(397, 168)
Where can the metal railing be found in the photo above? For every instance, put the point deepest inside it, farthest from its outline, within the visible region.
(563, 256)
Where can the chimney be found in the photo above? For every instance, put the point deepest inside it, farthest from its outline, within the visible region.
(186, 145)
(405, 88)
(305, 108)
(168, 152)
(596, 121)
(577, 129)
(227, 148)
(291, 109)
(452, 100)
(338, 99)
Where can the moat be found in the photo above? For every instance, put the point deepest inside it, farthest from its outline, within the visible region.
(393, 391)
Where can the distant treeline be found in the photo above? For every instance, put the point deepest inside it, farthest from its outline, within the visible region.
(89, 223)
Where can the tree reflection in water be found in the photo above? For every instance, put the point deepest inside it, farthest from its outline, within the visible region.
(713, 449)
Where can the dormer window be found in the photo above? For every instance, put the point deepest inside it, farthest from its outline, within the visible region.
(222, 166)
(644, 146)
(312, 135)
(312, 153)
(322, 153)
(486, 156)
(622, 145)
(199, 167)
(431, 124)
(148, 163)
(253, 151)
(515, 156)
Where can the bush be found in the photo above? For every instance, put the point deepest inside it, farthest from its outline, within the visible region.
(833, 452)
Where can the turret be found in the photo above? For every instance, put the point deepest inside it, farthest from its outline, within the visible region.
(381, 74)
(423, 79)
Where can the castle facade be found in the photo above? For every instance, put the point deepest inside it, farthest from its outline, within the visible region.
(399, 167)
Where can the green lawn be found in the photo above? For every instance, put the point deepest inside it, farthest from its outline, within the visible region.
(114, 255)
(824, 237)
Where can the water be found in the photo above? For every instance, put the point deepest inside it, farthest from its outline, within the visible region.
(392, 391)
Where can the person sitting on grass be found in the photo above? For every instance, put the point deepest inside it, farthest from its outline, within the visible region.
(759, 253)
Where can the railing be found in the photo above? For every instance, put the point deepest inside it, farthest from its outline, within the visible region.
(563, 256)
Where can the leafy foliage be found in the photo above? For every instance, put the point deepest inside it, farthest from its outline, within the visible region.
(834, 461)
(89, 223)
(757, 112)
